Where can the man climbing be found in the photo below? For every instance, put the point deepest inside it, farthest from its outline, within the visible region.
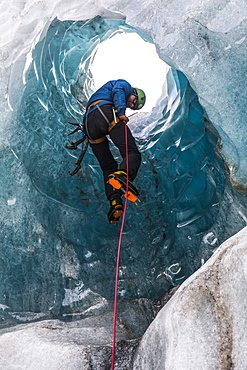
(105, 115)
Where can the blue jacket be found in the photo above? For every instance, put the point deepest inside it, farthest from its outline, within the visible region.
(114, 92)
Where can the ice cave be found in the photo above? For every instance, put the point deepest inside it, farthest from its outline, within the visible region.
(57, 251)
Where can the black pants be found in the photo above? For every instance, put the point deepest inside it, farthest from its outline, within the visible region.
(96, 126)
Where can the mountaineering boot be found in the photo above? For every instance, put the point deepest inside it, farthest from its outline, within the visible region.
(115, 211)
(118, 180)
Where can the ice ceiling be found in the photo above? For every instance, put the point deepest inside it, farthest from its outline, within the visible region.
(58, 252)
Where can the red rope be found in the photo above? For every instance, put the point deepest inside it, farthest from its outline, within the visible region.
(118, 253)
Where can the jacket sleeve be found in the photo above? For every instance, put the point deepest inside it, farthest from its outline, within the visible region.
(120, 93)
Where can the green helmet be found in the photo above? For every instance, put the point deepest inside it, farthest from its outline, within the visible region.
(141, 98)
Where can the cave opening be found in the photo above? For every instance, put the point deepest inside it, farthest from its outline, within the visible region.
(128, 56)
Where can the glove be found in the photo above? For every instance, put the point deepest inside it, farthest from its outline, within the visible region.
(124, 119)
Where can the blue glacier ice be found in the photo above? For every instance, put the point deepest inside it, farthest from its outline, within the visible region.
(57, 252)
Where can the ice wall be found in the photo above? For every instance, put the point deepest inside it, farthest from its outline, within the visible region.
(203, 325)
(57, 251)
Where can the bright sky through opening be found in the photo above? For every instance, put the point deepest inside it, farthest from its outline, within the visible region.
(129, 57)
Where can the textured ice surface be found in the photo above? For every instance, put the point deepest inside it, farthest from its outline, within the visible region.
(203, 325)
(57, 250)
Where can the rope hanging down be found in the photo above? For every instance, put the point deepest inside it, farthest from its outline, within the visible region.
(118, 252)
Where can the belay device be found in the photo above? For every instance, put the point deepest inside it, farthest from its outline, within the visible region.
(73, 145)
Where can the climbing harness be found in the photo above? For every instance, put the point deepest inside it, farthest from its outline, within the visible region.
(118, 255)
(85, 137)
(111, 124)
